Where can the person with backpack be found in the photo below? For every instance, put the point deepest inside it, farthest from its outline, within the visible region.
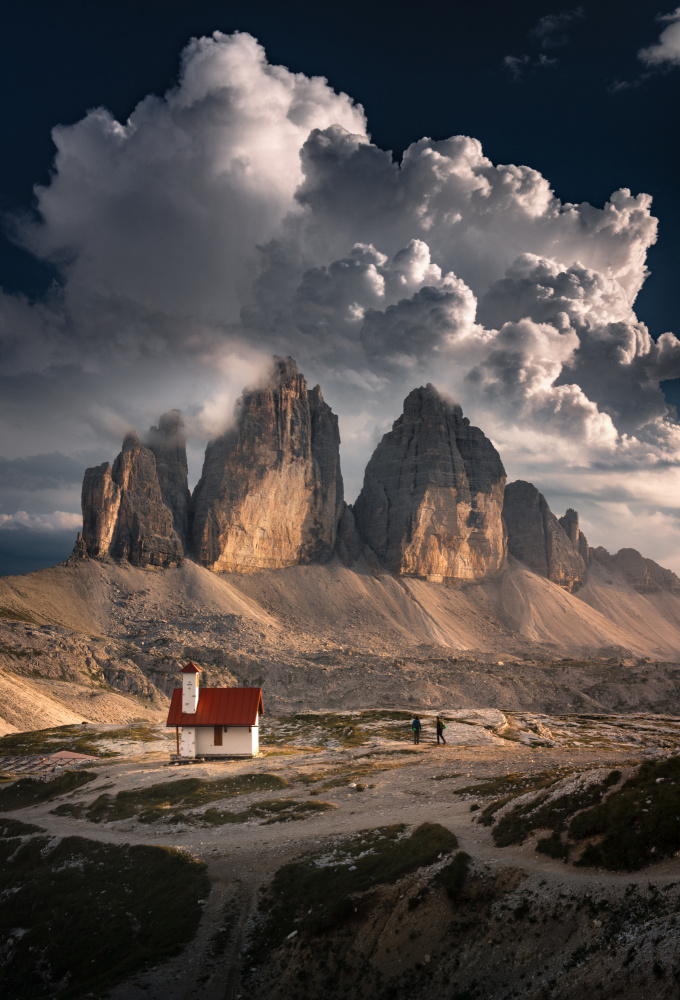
(416, 727)
(441, 726)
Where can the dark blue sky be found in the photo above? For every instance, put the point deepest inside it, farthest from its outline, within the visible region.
(436, 71)
(579, 106)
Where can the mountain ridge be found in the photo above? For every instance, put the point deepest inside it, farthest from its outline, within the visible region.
(435, 503)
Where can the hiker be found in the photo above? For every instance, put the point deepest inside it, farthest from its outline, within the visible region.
(416, 727)
(441, 726)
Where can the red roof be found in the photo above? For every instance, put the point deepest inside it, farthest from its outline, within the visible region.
(218, 707)
(191, 668)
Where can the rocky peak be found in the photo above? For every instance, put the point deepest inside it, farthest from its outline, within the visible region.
(271, 491)
(539, 540)
(432, 497)
(570, 523)
(169, 447)
(125, 515)
(643, 574)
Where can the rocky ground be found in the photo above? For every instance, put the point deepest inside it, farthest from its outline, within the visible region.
(547, 694)
(519, 924)
(100, 642)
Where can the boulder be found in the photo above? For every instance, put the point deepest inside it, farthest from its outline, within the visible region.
(432, 499)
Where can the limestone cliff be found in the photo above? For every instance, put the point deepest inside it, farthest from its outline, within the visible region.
(571, 525)
(644, 574)
(124, 512)
(169, 447)
(432, 497)
(271, 491)
(100, 500)
(539, 540)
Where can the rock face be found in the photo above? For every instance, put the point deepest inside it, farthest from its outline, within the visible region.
(125, 515)
(432, 499)
(644, 574)
(570, 524)
(271, 492)
(349, 544)
(539, 540)
(169, 446)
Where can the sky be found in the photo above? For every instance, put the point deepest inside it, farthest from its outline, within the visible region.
(485, 198)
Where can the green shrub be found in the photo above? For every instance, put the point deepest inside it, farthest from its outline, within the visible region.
(541, 814)
(638, 823)
(31, 791)
(155, 802)
(45, 741)
(313, 898)
(553, 846)
(453, 876)
(91, 913)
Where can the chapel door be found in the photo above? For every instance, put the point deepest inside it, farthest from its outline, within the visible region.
(217, 739)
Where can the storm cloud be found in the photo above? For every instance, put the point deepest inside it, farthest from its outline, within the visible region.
(247, 211)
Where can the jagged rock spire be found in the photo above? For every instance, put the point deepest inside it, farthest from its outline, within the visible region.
(433, 494)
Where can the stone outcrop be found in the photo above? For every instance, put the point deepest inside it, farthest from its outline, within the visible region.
(539, 540)
(432, 498)
(569, 522)
(125, 515)
(271, 492)
(644, 574)
(169, 446)
(349, 544)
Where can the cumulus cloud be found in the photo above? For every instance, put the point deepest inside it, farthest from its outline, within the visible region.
(665, 52)
(58, 520)
(165, 210)
(247, 212)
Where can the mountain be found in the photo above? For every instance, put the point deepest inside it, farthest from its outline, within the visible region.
(432, 500)
(271, 492)
(125, 513)
(434, 503)
(548, 546)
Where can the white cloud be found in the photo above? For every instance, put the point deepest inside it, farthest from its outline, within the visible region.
(58, 520)
(166, 209)
(665, 52)
(247, 212)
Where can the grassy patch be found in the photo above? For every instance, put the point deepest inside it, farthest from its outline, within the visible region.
(509, 785)
(638, 824)
(140, 732)
(314, 894)
(79, 916)
(46, 741)
(336, 777)
(269, 811)
(31, 791)
(553, 846)
(152, 803)
(15, 828)
(545, 814)
(453, 876)
(324, 729)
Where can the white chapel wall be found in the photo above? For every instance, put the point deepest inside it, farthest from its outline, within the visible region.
(238, 740)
